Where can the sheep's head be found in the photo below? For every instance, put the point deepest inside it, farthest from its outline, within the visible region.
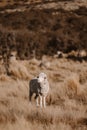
(42, 77)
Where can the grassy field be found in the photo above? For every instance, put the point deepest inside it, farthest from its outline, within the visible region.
(66, 101)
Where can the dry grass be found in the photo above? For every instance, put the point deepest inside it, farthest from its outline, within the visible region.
(66, 102)
(18, 70)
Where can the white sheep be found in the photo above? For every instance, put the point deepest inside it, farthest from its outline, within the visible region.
(39, 86)
(12, 57)
(82, 53)
(60, 54)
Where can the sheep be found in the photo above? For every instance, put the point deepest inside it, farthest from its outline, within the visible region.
(82, 55)
(60, 54)
(12, 57)
(39, 86)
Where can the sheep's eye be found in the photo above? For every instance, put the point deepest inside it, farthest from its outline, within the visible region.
(44, 77)
(37, 76)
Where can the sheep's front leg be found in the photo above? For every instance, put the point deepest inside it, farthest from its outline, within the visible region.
(44, 101)
(40, 101)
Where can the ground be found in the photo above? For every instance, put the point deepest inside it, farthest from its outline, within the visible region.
(66, 100)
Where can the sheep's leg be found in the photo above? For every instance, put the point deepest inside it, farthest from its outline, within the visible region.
(40, 101)
(37, 103)
(44, 101)
(36, 97)
(30, 96)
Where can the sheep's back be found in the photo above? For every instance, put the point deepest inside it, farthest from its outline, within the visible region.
(35, 86)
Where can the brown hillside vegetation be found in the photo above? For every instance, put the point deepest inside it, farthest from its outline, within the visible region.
(50, 26)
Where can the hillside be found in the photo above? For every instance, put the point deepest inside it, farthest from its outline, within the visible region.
(44, 26)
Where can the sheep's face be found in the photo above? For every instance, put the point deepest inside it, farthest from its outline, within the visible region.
(42, 77)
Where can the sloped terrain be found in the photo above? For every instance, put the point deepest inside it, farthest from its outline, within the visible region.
(44, 27)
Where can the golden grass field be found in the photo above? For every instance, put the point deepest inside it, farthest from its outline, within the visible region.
(66, 102)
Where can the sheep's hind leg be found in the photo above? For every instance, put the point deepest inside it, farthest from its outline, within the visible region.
(37, 102)
(30, 96)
